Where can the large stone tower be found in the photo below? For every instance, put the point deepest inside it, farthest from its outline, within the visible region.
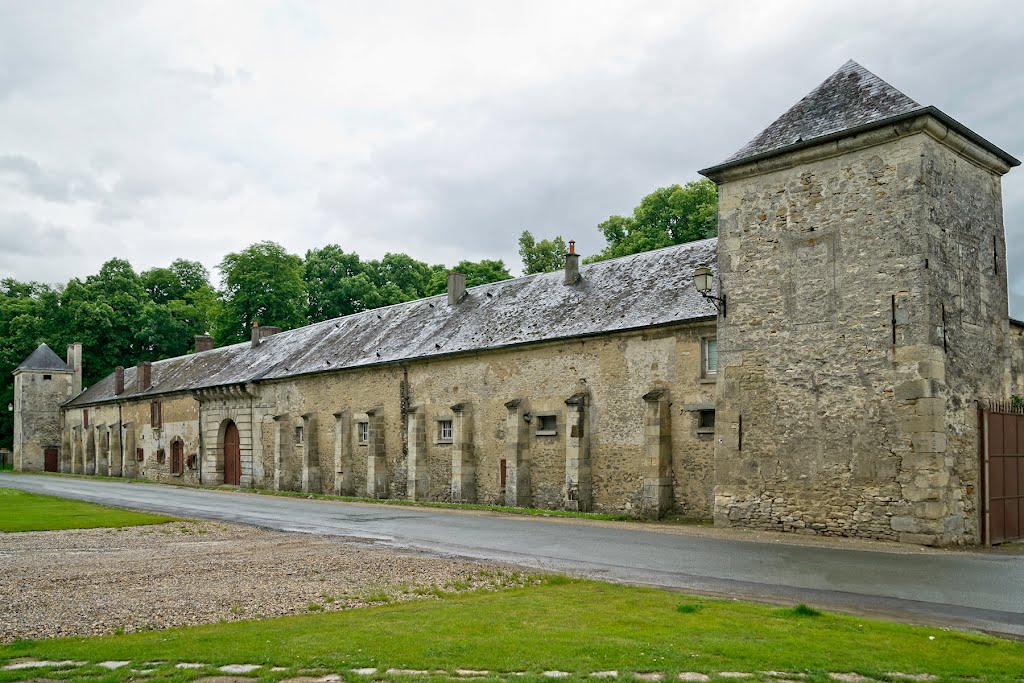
(41, 383)
(861, 253)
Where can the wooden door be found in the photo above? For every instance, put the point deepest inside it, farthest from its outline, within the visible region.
(50, 460)
(232, 456)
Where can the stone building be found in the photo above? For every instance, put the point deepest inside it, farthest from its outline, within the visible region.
(829, 384)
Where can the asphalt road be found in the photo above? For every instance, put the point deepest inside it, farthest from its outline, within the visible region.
(978, 590)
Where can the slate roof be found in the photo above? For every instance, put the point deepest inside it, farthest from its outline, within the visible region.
(642, 290)
(851, 99)
(43, 358)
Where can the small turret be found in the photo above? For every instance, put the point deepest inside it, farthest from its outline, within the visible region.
(41, 383)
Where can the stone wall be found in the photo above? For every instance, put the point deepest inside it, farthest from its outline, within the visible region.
(117, 434)
(593, 389)
(37, 397)
(851, 357)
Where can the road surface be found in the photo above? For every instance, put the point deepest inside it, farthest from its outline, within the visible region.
(978, 590)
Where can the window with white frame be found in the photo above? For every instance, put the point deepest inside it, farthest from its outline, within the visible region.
(363, 430)
(299, 435)
(710, 357)
(444, 431)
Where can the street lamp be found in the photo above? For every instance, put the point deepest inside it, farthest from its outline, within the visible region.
(703, 279)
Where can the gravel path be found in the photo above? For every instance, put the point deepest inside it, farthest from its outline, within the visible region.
(96, 581)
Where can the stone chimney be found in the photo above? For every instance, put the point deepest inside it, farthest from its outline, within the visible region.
(456, 287)
(572, 265)
(118, 380)
(204, 342)
(75, 363)
(261, 333)
(143, 376)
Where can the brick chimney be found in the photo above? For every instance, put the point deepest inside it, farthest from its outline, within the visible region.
(143, 376)
(118, 380)
(456, 287)
(75, 363)
(572, 265)
(261, 333)
(204, 342)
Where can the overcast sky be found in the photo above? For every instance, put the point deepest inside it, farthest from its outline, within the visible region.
(159, 130)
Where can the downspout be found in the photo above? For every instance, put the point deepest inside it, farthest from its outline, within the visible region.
(120, 436)
(202, 452)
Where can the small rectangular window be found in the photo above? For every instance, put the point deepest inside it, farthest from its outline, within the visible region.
(364, 432)
(710, 353)
(547, 425)
(47, 376)
(140, 455)
(504, 474)
(193, 461)
(155, 415)
(85, 418)
(298, 435)
(444, 431)
(705, 420)
(161, 456)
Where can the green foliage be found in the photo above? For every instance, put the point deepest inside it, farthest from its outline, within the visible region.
(688, 608)
(476, 272)
(263, 283)
(667, 216)
(541, 257)
(24, 511)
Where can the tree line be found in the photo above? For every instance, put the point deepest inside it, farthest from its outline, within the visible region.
(123, 317)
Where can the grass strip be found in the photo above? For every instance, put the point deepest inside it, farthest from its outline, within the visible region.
(568, 625)
(23, 511)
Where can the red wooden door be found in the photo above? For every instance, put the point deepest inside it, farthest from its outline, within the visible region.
(232, 456)
(50, 460)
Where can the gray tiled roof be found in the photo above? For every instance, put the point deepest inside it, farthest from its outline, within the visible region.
(849, 98)
(642, 290)
(43, 358)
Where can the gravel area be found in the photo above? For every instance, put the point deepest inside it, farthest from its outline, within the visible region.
(97, 581)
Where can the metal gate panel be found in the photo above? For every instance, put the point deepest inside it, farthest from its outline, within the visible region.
(1003, 473)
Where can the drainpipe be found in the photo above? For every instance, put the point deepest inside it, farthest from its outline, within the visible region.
(120, 436)
(201, 451)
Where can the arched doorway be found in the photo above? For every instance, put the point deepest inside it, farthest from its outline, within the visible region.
(232, 456)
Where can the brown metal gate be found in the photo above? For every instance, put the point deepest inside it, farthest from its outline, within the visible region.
(1002, 473)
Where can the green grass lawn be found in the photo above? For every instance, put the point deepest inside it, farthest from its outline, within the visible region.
(568, 625)
(21, 511)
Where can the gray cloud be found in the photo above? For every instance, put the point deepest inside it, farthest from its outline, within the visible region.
(23, 236)
(439, 129)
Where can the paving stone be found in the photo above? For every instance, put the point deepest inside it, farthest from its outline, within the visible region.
(279, 668)
(226, 679)
(471, 672)
(734, 674)
(369, 671)
(694, 676)
(650, 676)
(407, 672)
(555, 674)
(189, 665)
(113, 665)
(849, 677)
(34, 664)
(239, 668)
(912, 677)
(143, 672)
(605, 674)
(329, 678)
